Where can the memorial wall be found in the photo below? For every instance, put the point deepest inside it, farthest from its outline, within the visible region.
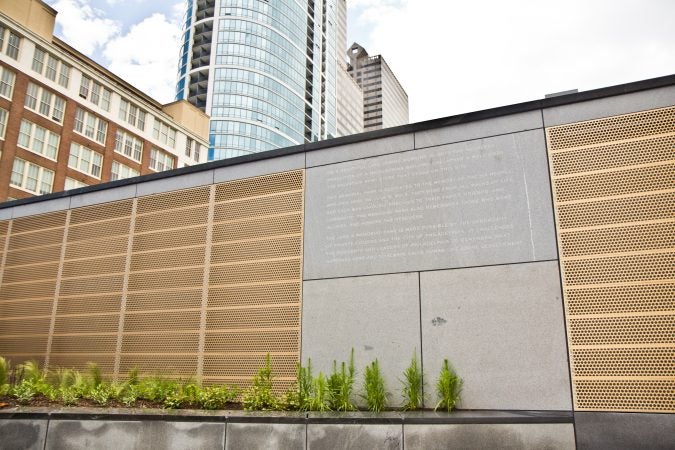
(530, 245)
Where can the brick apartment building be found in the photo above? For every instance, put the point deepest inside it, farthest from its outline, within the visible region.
(67, 122)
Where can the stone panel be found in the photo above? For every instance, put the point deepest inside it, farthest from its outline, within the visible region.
(502, 328)
(489, 436)
(173, 183)
(6, 213)
(262, 167)
(356, 437)
(377, 316)
(265, 436)
(22, 434)
(479, 129)
(119, 435)
(475, 203)
(616, 431)
(103, 196)
(360, 150)
(610, 106)
(46, 206)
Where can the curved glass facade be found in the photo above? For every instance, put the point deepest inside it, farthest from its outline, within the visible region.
(263, 70)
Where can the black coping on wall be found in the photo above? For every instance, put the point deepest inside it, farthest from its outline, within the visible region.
(610, 91)
(353, 418)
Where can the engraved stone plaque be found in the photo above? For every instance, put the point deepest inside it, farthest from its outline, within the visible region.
(473, 203)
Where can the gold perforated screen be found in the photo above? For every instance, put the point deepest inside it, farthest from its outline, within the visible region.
(202, 283)
(614, 195)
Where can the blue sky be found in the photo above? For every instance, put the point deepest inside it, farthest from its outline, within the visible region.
(451, 56)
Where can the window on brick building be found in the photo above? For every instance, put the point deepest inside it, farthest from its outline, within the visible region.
(128, 145)
(7, 78)
(39, 140)
(132, 114)
(90, 125)
(45, 102)
(120, 171)
(85, 160)
(31, 177)
(160, 160)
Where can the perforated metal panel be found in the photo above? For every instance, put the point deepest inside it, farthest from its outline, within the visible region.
(255, 279)
(166, 257)
(31, 267)
(200, 282)
(90, 293)
(614, 195)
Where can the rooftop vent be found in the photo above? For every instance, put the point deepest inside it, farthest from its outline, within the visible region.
(558, 94)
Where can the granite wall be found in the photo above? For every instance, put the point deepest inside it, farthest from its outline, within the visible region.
(440, 243)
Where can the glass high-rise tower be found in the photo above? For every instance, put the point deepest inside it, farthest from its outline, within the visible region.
(264, 70)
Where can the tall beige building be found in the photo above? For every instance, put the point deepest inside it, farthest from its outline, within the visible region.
(349, 95)
(385, 102)
(67, 122)
(349, 103)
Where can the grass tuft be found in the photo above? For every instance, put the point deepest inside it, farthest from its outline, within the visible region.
(413, 386)
(373, 386)
(320, 398)
(341, 385)
(305, 386)
(448, 388)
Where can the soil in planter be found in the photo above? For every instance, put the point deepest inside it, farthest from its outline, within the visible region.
(42, 401)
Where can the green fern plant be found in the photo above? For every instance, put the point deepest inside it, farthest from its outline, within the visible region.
(448, 387)
(131, 394)
(157, 389)
(80, 384)
(61, 378)
(5, 369)
(94, 374)
(31, 371)
(216, 397)
(68, 396)
(102, 394)
(133, 377)
(33, 381)
(24, 391)
(413, 386)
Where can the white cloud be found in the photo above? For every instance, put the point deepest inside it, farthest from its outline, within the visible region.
(147, 56)
(83, 26)
(371, 11)
(455, 57)
(177, 12)
(451, 57)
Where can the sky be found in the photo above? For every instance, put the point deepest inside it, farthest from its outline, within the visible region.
(450, 56)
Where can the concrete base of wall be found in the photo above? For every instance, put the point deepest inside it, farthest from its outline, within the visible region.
(115, 435)
(605, 431)
(486, 436)
(119, 429)
(23, 433)
(39, 428)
